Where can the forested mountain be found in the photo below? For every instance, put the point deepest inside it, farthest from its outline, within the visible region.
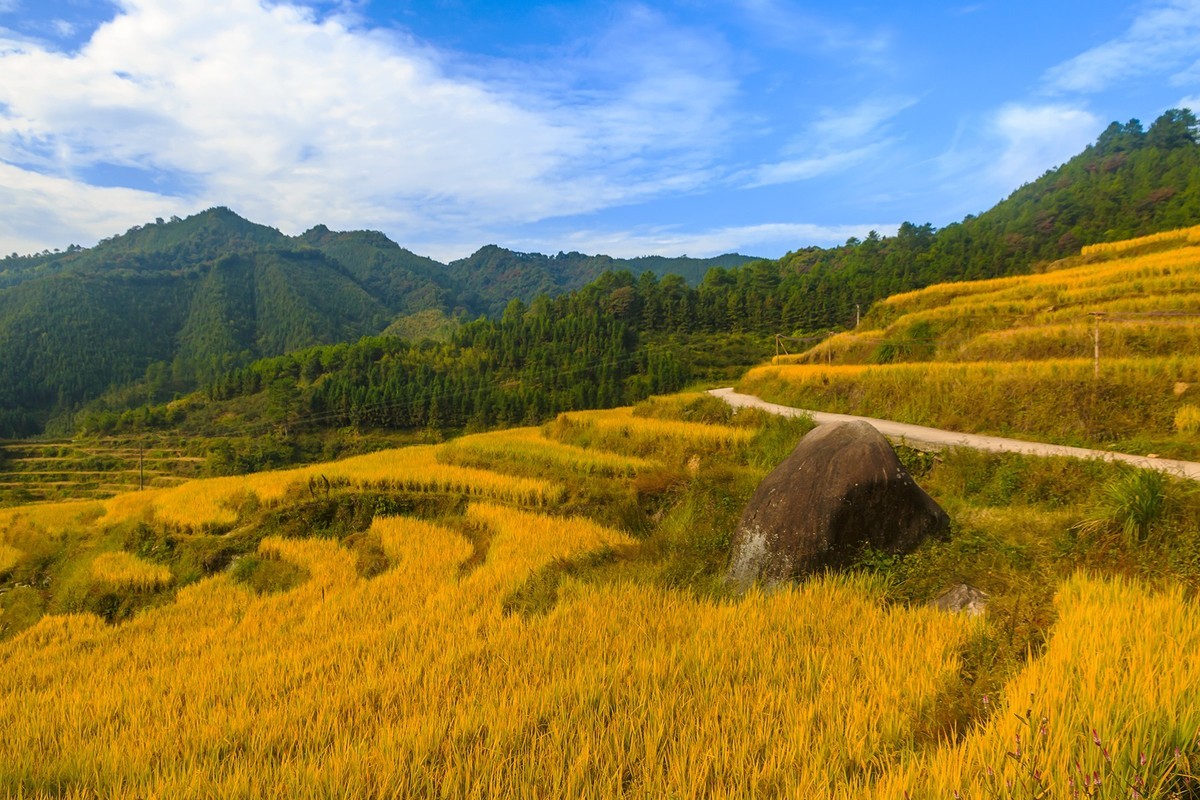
(1129, 183)
(402, 280)
(495, 275)
(185, 300)
(172, 304)
(189, 300)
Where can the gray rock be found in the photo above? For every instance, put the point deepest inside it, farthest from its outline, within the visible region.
(840, 490)
(963, 598)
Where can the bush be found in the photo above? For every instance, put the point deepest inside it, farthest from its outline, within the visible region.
(266, 575)
(1129, 505)
(1187, 420)
(776, 440)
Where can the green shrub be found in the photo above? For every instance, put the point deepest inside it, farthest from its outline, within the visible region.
(1129, 505)
(267, 575)
(1187, 420)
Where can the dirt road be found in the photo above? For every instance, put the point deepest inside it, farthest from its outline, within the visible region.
(934, 438)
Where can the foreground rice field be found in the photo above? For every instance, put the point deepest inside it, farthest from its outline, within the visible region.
(417, 680)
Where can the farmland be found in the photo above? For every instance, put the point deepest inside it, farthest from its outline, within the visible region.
(440, 621)
(1100, 349)
(541, 611)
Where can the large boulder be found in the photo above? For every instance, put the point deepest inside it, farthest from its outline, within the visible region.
(841, 489)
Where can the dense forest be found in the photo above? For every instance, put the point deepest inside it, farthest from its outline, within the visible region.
(193, 302)
(169, 306)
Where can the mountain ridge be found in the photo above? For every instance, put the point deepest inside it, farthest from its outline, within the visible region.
(213, 291)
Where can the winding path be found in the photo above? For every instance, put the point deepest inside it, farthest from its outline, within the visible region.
(935, 438)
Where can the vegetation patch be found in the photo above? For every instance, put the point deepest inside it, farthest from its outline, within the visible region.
(267, 574)
(538, 594)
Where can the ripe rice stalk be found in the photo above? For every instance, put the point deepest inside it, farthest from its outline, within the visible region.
(1180, 236)
(9, 558)
(213, 501)
(122, 570)
(530, 448)
(1114, 694)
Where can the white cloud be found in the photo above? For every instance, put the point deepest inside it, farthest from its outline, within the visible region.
(1038, 138)
(294, 119)
(1162, 39)
(784, 25)
(47, 212)
(838, 140)
(769, 240)
(799, 169)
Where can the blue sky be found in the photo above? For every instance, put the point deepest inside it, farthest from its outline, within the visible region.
(629, 128)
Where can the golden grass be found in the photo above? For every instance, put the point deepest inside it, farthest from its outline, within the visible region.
(1187, 420)
(415, 684)
(1179, 236)
(415, 544)
(1026, 346)
(1120, 662)
(528, 446)
(1057, 399)
(954, 313)
(124, 570)
(9, 557)
(618, 429)
(51, 516)
(214, 501)
(1118, 339)
(521, 542)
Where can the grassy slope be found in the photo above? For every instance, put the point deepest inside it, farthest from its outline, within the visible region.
(569, 575)
(1013, 356)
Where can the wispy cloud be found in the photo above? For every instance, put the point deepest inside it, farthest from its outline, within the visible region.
(799, 169)
(836, 141)
(63, 28)
(1037, 138)
(768, 240)
(43, 211)
(783, 23)
(294, 119)
(1161, 40)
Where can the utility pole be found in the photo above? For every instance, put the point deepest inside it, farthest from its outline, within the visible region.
(141, 466)
(1096, 343)
(857, 315)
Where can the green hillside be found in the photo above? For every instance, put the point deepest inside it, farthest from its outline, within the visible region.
(495, 275)
(168, 306)
(199, 305)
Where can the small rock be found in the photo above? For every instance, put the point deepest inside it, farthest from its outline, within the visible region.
(962, 598)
